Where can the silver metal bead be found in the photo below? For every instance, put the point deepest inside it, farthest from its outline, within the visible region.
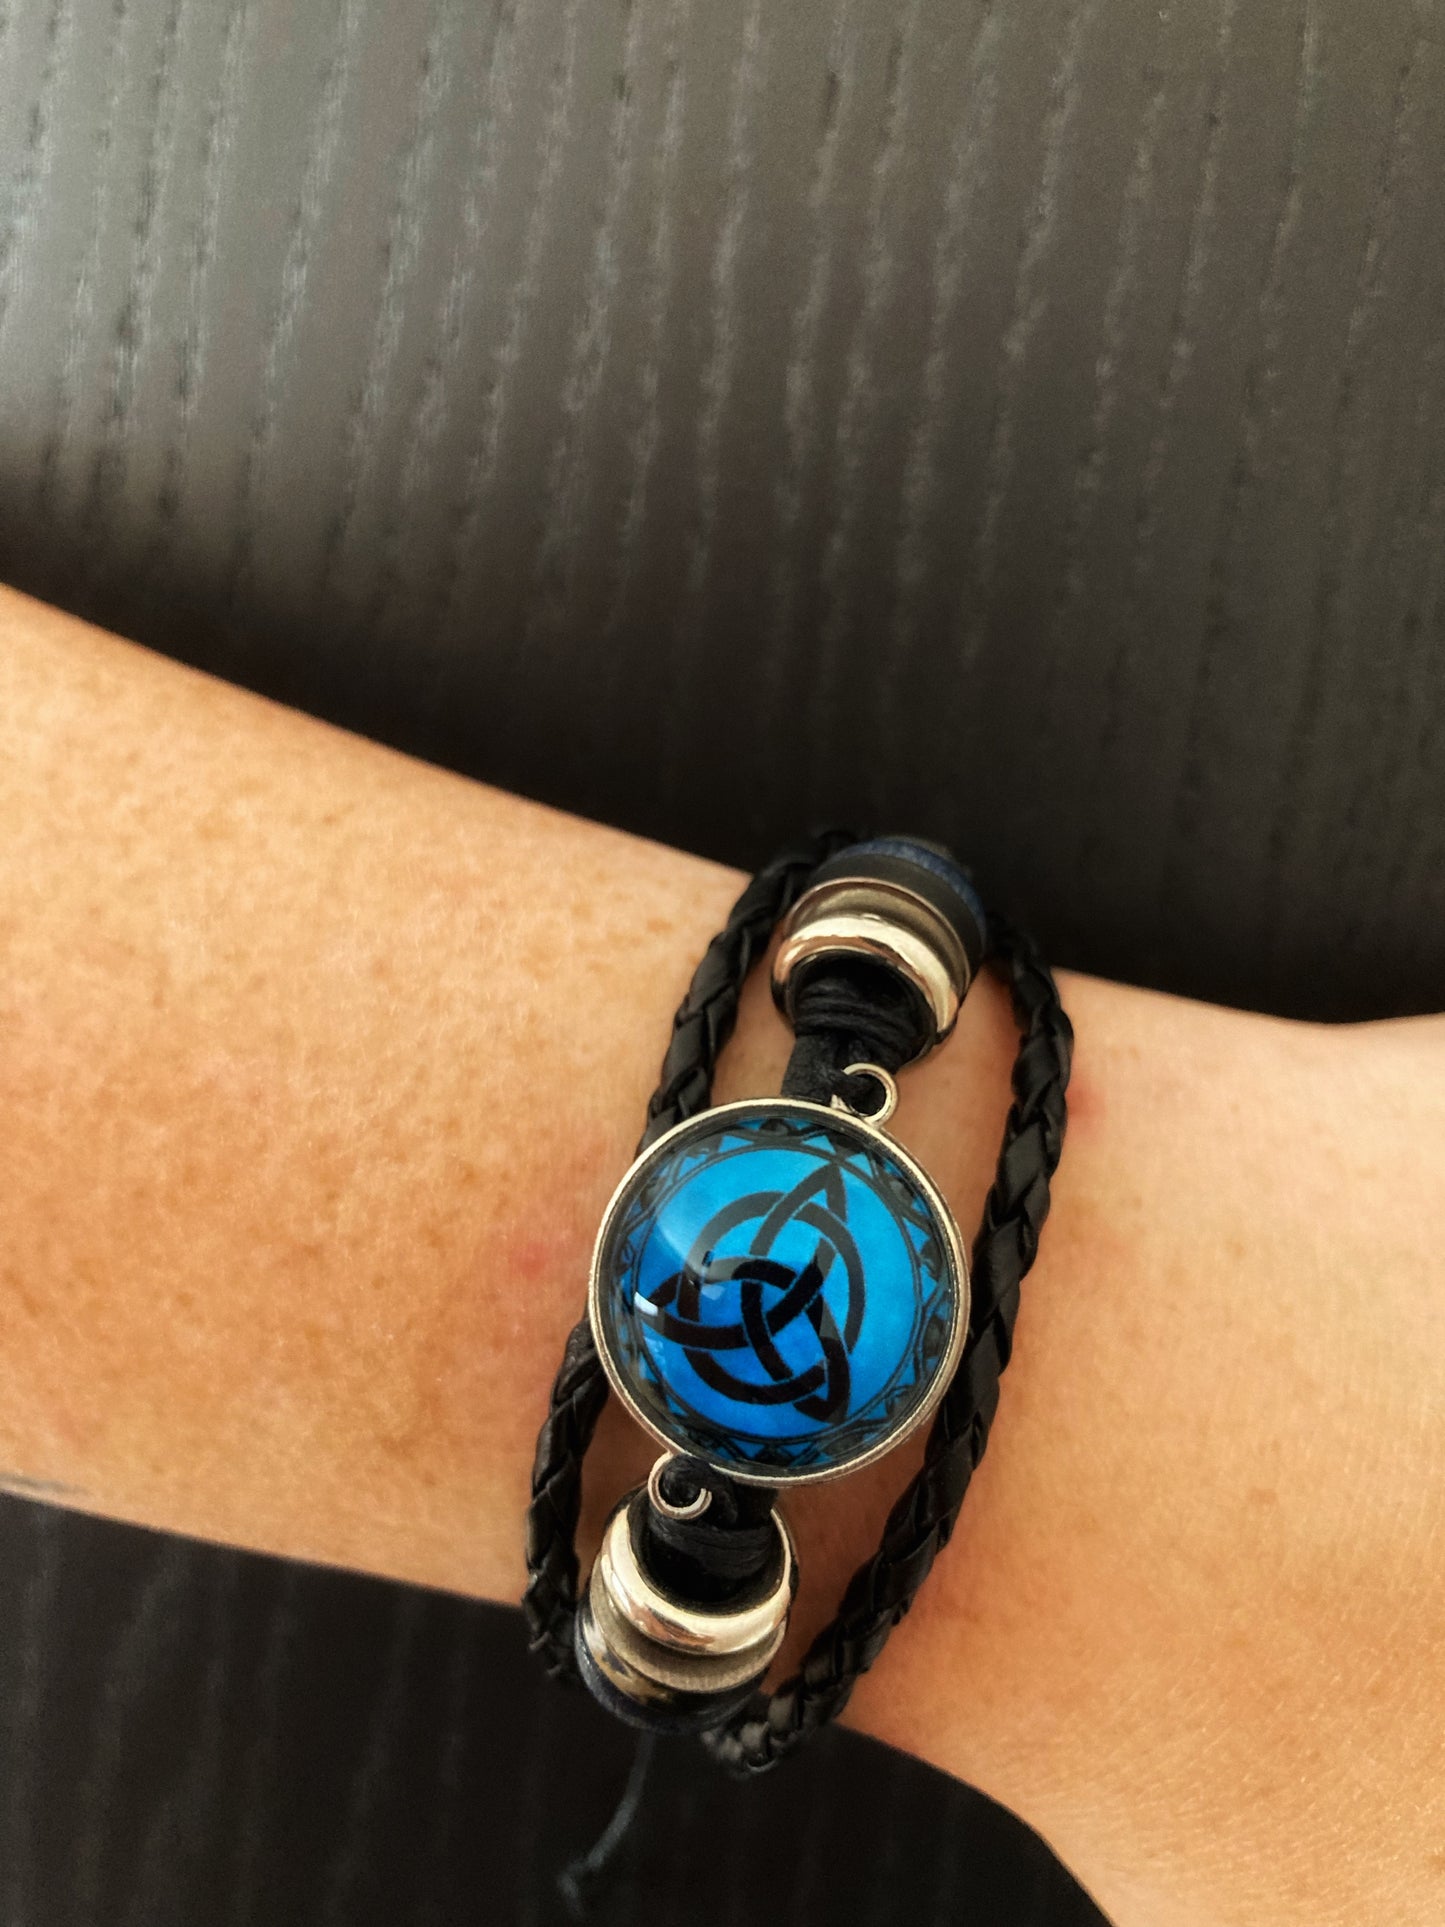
(885, 923)
(658, 1650)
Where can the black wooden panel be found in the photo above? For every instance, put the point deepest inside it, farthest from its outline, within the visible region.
(1024, 423)
(194, 1737)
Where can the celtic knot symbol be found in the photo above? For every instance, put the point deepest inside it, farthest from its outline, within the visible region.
(771, 1299)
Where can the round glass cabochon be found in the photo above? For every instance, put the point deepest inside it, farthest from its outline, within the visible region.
(778, 1289)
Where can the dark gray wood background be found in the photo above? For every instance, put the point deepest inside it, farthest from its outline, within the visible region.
(1018, 423)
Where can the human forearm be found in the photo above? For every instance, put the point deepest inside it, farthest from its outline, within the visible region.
(316, 1069)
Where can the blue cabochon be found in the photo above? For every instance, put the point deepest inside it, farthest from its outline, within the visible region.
(777, 1290)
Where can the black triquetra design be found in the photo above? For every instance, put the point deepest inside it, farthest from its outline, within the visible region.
(819, 1391)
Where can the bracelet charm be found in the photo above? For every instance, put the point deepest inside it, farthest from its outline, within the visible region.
(778, 1290)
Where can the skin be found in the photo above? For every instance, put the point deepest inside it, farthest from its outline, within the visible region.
(317, 1067)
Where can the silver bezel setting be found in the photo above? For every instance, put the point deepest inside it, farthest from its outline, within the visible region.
(953, 1244)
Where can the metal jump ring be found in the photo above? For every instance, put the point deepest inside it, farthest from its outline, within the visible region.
(694, 1508)
(890, 1093)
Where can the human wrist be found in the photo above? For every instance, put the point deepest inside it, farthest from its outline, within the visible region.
(1190, 1623)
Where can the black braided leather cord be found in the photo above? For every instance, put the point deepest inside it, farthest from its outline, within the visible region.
(881, 1591)
(702, 1026)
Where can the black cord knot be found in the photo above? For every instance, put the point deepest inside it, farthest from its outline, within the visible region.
(847, 1010)
(729, 1550)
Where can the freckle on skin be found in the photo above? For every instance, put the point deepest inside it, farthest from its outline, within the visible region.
(1086, 1103)
(534, 1258)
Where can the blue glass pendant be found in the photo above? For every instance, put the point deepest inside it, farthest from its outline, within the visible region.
(778, 1289)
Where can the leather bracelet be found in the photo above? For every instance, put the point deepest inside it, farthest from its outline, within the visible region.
(779, 1294)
